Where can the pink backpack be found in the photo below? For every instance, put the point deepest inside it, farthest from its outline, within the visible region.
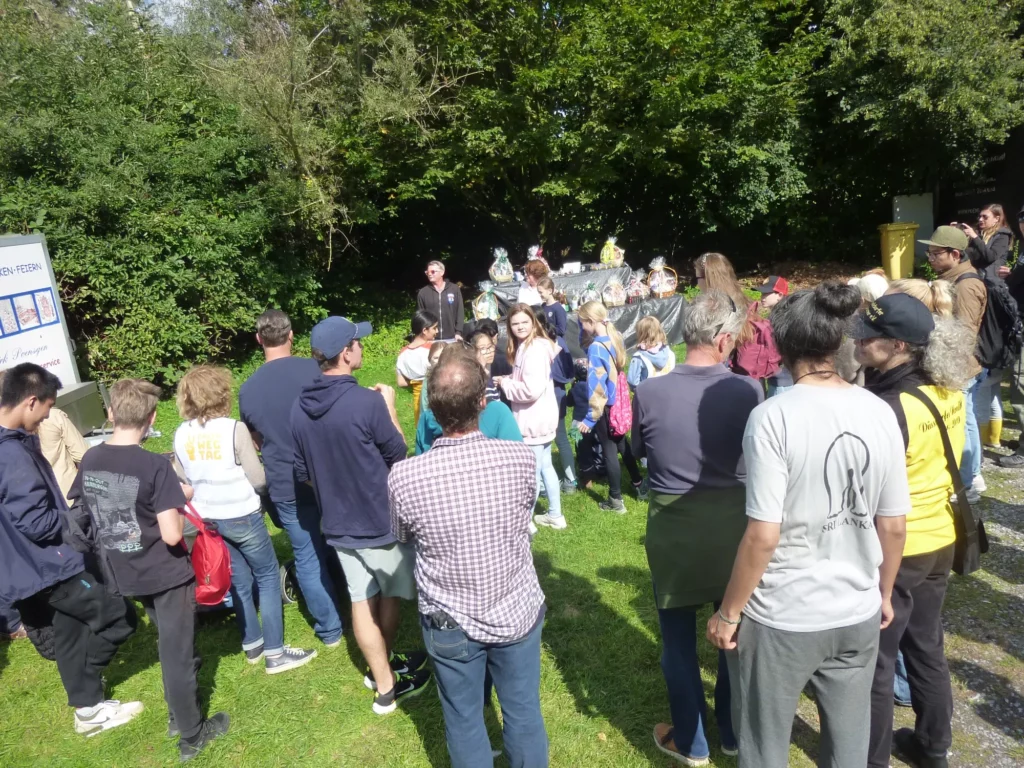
(758, 358)
(620, 414)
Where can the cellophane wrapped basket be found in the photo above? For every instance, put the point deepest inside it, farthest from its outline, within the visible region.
(590, 293)
(537, 252)
(611, 254)
(637, 289)
(613, 294)
(501, 270)
(662, 280)
(486, 304)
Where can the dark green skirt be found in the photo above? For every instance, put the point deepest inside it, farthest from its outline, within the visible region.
(691, 544)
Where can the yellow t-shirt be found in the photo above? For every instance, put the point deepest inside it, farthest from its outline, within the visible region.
(930, 522)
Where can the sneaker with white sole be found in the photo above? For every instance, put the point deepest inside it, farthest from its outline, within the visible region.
(406, 686)
(105, 715)
(973, 495)
(288, 659)
(617, 506)
(546, 520)
(978, 484)
(401, 664)
(253, 655)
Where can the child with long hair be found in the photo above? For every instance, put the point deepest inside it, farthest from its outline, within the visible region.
(411, 366)
(531, 394)
(605, 358)
(653, 356)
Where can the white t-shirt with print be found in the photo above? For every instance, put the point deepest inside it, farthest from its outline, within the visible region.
(823, 462)
(412, 363)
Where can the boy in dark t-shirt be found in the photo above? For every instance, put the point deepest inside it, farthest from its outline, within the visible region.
(133, 498)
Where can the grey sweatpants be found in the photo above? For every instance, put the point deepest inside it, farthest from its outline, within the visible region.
(768, 671)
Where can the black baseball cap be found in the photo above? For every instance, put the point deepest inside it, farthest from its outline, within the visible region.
(896, 316)
(775, 284)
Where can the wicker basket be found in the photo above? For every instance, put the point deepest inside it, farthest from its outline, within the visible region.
(485, 306)
(665, 293)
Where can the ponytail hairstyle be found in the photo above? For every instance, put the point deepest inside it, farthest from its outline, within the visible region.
(719, 275)
(537, 332)
(422, 320)
(596, 312)
(809, 325)
(936, 295)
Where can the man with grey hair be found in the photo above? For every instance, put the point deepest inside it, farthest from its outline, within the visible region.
(443, 299)
(689, 424)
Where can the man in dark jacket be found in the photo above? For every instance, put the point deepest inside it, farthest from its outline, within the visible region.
(444, 299)
(39, 571)
(347, 438)
(1015, 284)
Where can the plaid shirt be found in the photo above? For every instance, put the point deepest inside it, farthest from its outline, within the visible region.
(466, 504)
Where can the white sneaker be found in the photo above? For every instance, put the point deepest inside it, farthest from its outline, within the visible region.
(978, 484)
(973, 495)
(548, 521)
(105, 715)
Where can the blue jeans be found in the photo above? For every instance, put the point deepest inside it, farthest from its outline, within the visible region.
(685, 689)
(546, 474)
(987, 402)
(252, 555)
(970, 463)
(301, 521)
(900, 683)
(460, 666)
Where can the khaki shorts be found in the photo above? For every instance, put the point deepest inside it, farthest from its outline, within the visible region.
(386, 571)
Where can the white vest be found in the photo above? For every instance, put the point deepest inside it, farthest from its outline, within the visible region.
(207, 454)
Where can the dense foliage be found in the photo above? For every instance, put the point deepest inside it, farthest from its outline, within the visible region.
(193, 163)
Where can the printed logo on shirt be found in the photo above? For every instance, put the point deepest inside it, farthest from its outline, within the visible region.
(112, 499)
(451, 298)
(203, 447)
(846, 462)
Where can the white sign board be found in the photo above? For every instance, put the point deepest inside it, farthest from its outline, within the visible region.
(32, 327)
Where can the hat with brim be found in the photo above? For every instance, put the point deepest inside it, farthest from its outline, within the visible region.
(896, 316)
(949, 237)
(775, 284)
(332, 335)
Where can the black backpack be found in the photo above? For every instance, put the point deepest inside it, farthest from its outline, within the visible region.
(1001, 334)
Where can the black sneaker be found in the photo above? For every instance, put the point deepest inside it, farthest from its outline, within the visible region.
(405, 686)
(401, 664)
(907, 748)
(211, 729)
(1013, 461)
(253, 655)
(643, 488)
(290, 658)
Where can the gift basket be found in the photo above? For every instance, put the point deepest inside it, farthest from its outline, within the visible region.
(486, 304)
(614, 293)
(590, 293)
(662, 280)
(536, 252)
(637, 289)
(501, 270)
(611, 254)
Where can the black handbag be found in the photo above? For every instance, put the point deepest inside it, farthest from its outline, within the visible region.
(971, 539)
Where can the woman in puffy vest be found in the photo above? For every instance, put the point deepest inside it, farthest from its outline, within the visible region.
(216, 456)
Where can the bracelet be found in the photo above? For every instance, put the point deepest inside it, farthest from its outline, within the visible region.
(724, 620)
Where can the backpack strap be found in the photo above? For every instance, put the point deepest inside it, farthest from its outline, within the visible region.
(193, 517)
(968, 274)
(968, 544)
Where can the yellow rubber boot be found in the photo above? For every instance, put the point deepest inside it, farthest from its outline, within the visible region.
(993, 433)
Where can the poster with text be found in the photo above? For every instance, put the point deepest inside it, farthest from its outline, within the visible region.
(31, 323)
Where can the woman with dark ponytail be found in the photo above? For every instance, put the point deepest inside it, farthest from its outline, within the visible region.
(827, 499)
(411, 367)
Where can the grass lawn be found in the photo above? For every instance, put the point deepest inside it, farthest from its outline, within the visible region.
(601, 688)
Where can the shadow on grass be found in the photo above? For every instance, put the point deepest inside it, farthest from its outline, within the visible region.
(978, 613)
(1001, 704)
(609, 666)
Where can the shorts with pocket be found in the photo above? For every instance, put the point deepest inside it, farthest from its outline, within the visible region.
(387, 571)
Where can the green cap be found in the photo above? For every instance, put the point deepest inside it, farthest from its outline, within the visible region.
(948, 237)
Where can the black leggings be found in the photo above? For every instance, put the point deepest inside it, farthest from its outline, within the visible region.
(612, 450)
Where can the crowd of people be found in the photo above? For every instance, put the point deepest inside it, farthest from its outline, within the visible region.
(810, 465)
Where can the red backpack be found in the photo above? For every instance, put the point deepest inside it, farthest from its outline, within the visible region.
(210, 560)
(758, 358)
(620, 413)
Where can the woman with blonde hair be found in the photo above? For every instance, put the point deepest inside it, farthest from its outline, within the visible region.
(606, 356)
(530, 391)
(214, 453)
(937, 295)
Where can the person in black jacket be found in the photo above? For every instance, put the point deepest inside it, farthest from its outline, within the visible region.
(443, 299)
(40, 572)
(989, 248)
(1015, 284)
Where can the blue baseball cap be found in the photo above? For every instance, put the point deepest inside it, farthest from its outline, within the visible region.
(332, 335)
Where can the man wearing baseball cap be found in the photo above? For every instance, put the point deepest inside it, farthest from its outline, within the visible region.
(947, 249)
(774, 290)
(891, 336)
(347, 437)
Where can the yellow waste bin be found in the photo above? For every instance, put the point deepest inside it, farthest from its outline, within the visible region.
(898, 249)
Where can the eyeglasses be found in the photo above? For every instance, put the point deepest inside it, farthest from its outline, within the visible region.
(934, 254)
(488, 350)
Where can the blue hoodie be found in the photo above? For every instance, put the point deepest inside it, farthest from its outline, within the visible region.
(33, 555)
(345, 445)
(638, 371)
